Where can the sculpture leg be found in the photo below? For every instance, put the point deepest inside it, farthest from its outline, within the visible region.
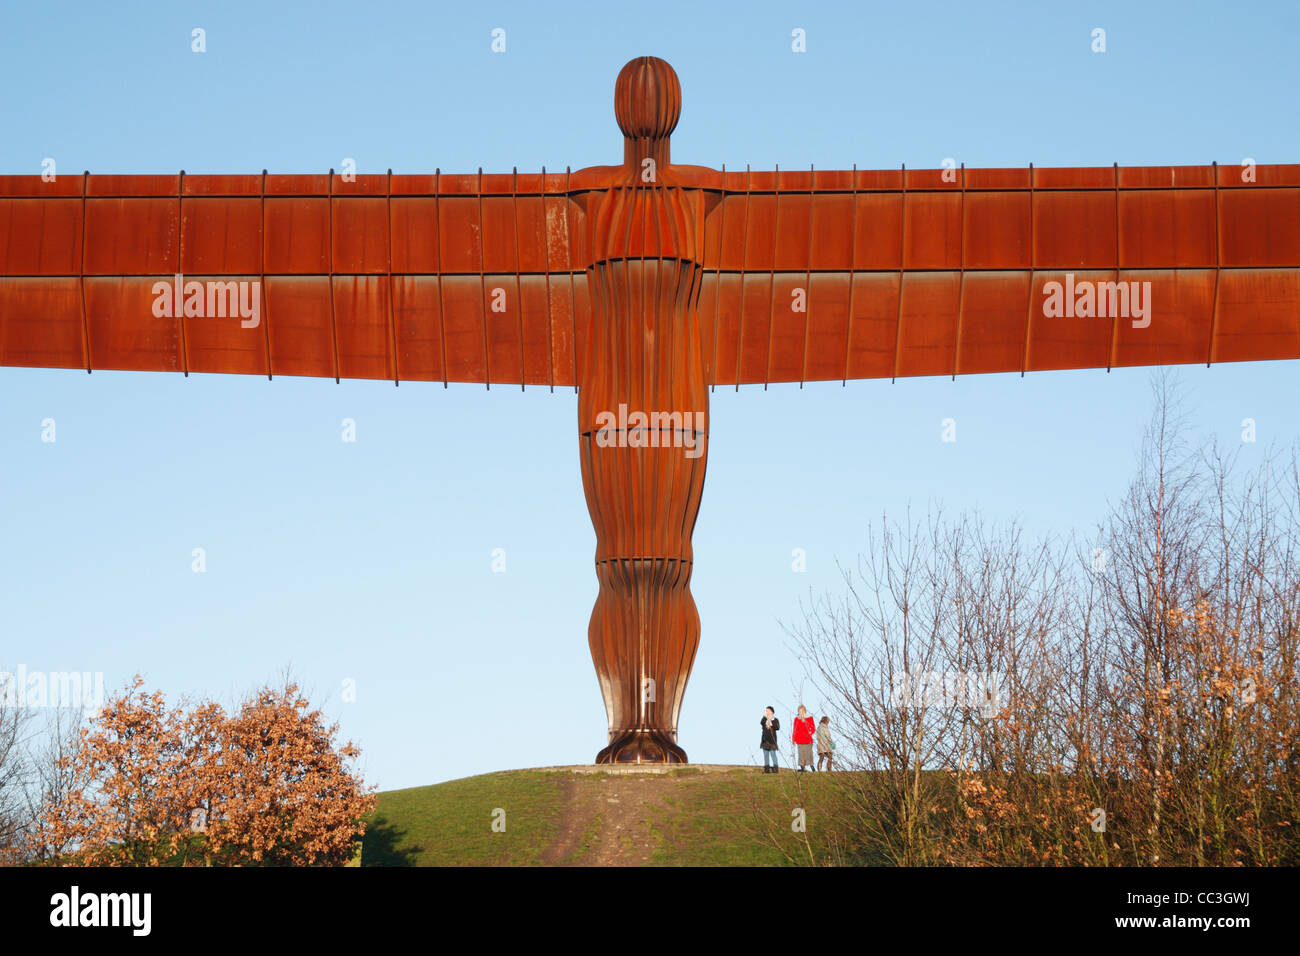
(645, 628)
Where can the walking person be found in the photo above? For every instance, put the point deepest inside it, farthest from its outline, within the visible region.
(803, 737)
(825, 745)
(768, 743)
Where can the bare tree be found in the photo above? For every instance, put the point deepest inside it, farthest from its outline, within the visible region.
(50, 779)
(13, 776)
(1146, 707)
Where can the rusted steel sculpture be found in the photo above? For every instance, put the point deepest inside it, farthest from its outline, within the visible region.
(643, 285)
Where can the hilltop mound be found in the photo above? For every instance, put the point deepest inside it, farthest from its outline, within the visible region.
(595, 816)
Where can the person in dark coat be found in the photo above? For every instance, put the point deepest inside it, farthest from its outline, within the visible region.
(768, 744)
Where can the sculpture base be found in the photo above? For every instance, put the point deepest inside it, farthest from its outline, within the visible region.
(642, 746)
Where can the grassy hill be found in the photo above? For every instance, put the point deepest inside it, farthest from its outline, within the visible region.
(721, 816)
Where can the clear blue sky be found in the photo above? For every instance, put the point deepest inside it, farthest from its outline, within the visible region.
(372, 561)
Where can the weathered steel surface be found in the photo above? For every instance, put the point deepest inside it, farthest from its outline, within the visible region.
(642, 353)
(409, 268)
(947, 277)
(407, 258)
(643, 284)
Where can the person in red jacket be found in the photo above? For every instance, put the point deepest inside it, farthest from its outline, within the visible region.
(804, 727)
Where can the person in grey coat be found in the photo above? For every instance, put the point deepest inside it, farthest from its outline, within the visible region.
(825, 745)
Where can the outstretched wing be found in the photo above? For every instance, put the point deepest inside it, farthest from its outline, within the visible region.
(466, 278)
(946, 272)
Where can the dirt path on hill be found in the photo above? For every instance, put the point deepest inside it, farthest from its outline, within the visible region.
(606, 822)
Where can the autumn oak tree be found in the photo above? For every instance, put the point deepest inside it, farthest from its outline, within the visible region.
(195, 786)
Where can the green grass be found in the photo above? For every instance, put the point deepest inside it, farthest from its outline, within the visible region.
(450, 824)
(736, 818)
